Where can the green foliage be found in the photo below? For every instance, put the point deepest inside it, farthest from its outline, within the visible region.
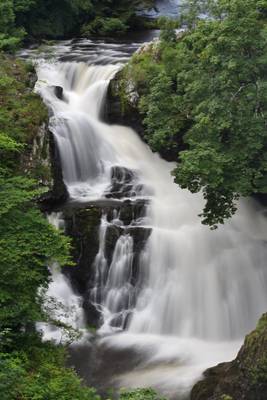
(27, 245)
(10, 35)
(112, 17)
(21, 112)
(40, 375)
(12, 374)
(29, 369)
(259, 373)
(104, 27)
(167, 27)
(7, 16)
(8, 144)
(53, 18)
(256, 350)
(207, 100)
(62, 18)
(226, 397)
(161, 114)
(140, 394)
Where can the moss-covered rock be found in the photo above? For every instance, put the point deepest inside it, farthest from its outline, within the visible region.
(24, 119)
(128, 89)
(22, 112)
(245, 378)
(122, 103)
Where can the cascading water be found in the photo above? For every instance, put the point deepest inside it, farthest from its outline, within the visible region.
(62, 304)
(195, 292)
(113, 292)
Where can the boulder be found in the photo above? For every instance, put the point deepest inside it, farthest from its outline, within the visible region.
(245, 378)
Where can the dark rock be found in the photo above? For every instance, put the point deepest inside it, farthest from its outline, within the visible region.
(261, 198)
(140, 236)
(99, 363)
(93, 314)
(58, 195)
(245, 378)
(112, 235)
(122, 114)
(122, 183)
(82, 225)
(59, 92)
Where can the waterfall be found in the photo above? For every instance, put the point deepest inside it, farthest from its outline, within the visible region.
(62, 304)
(193, 293)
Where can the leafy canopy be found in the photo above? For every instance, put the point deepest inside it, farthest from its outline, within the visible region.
(206, 101)
(20, 19)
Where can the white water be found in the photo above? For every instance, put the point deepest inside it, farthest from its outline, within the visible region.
(168, 8)
(62, 304)
(199, 291)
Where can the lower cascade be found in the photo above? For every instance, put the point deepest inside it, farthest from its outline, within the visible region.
(186, 299)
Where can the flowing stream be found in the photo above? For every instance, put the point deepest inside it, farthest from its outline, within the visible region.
(193, 293)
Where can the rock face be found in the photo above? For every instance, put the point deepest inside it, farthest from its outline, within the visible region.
(122, 104)
(245, 378)
(41, 161)
(37, 158)
(82, 225)
(57, 194)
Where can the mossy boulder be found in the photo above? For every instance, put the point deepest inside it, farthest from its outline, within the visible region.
(126, 93)
(122, 103)
(245, 378)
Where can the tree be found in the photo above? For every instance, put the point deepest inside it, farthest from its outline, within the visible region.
(10, 35)
(215, 79)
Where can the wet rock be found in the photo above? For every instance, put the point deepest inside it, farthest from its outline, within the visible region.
(59, 92)
(261, 198)
(122, 183)
(123, 112)
(36, 159)
(58, 193)
(140, 236)
(112, 235)
(245, 378)
(99, 363)
(82, 225)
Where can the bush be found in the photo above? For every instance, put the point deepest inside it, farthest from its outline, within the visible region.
(104, 27)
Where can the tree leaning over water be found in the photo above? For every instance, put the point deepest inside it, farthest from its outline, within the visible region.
(203, 98)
